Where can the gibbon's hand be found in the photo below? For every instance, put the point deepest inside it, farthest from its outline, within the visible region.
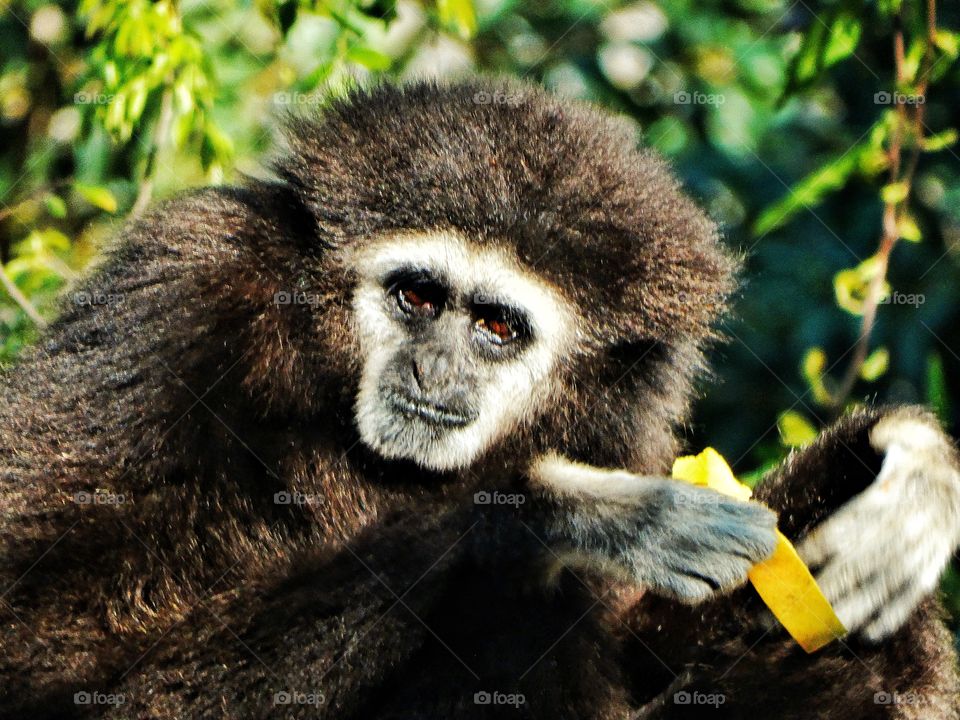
(676, 539)
(883, 552)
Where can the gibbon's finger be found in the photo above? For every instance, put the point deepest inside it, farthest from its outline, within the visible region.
(877, 584)
(850, 566)
(865, 520)
(895, 612)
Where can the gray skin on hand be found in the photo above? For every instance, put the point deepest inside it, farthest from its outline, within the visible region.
(673, 538)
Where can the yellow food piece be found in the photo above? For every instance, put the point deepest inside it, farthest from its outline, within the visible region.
(783, 581)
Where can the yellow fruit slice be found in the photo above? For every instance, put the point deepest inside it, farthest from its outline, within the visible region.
(783, 581)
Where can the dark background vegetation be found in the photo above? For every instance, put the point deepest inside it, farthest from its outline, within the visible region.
(843, 201)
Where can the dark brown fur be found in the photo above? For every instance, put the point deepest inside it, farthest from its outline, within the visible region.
(198, 397)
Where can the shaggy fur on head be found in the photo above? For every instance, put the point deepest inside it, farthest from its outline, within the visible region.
(187, 516)
(559, 184)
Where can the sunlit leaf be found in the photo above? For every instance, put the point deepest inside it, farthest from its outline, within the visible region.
(97, 196)
(813, 367)
(369, 58)
(55, 206)
(894, 193)
(216, 147)
(831, 37)
(852, 286)
(940, 141)
(948, 42)
(458, 15)
(138, 99)
(795, 429)
(875, 365)
(908, 229)
(842, 39)
(809, 191)
(889, 8)
(911, 63)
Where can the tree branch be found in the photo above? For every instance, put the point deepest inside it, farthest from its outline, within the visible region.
(892, 211)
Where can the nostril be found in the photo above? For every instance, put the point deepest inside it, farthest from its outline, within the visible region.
(417, 373)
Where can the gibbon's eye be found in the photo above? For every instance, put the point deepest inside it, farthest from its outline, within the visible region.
(499, 325)
(418, 296)
(500, 329)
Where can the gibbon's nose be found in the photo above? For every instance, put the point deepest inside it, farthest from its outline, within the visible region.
(431, 372)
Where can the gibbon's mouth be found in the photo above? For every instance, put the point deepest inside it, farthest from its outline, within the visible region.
(431, 413)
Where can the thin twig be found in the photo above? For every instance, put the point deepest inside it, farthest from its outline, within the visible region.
(161, 131)
(18, 297)
(892, 211)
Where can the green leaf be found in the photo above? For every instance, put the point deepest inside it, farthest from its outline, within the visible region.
(911, 64)
(216, 148)
(832, 36)
(459, 16)
(42, 242)
(889, 8)
(369, 58)
(875, 365)
(895, 193)
(805, 65)
(55, 206)
(947, 42)
(752, 478)
(138, 99)
(814, 367)
(810, 191)
(814, 363)
(940, 141)
(843, 39)
(97, 196)
(937, 395)
(795, 429)
(53, 239)
(852, 286)
(908, 229)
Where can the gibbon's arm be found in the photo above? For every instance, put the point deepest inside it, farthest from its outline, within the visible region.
(876, 502)
(184, 299)
(109, 400)
(329, 633)
(679, 540)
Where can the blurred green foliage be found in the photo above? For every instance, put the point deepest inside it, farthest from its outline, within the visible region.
(819, 135)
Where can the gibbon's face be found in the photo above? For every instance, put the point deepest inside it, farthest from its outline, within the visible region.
(460, 345)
